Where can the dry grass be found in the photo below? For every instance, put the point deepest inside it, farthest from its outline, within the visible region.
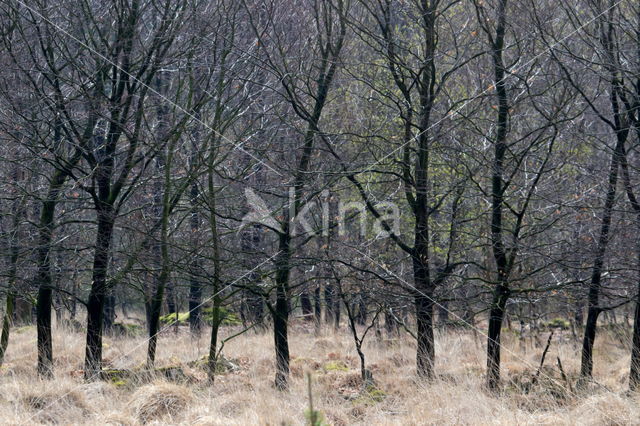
(245, 395)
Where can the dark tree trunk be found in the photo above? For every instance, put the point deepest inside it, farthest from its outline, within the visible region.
(317, 308)
(425, 354)
(154, 322)
(195, 286)
(45, 294)
(44, 279)
(11, 290)
(504, 259)
(329, 303)
(98, 293)
(281, 312)
(496, 316)
(634, 374)
(423, 297)
(305, 304)
(594, 310)
(6, 324)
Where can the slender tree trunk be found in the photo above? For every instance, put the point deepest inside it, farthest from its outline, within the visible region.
(305, 304)
(6, 324)
(98, 293)
(217, 280)
(329, 303)
(45, 290)
(594, 310)
(496, 317)
(503, 261)
(634, 373)
(154, 324)
(317, 309)
(281, 313)
(423, 298)
(195, 286)
(425, 354)
(11, 290)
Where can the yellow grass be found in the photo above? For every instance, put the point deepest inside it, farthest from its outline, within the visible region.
(246, 396)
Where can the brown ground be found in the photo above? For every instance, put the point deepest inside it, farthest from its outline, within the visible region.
(245, 395)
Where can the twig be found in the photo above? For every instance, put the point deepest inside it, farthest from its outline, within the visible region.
(564, 376)
(544, 355)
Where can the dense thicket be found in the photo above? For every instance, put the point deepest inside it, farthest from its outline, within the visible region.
(356, 163)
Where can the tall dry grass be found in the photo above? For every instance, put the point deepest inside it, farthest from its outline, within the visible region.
(245, 396)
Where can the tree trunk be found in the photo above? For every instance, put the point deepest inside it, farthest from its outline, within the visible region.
(503, 260)
(17, 211)
(496, 316)
(6, 324)
(317, 309)
(634, 374)
(329, 303)
(281, 312)
(593, 311)
(217, 280)
(425, 354)
(195, 286)
(305, 304)
(44, 279)
(98, 293)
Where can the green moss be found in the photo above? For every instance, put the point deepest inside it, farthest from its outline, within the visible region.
(223, 365)
(335, 366)
(227, 317)
(376, 395)
(182, 317)
(370, 395)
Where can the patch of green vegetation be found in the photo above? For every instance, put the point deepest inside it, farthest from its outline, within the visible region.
(182, 318)
(559, 323)
(370, 395)
(118, 378)
(223, 365)
(227, 317)
(376, 395)
(335, 366)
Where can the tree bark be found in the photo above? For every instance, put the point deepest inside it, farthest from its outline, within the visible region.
(195, 286)
(44, 280)
(96, 301)
(496, 317)
(594, 309)
(281, 313)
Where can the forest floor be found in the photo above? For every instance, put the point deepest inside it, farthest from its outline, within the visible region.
(244, 394)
